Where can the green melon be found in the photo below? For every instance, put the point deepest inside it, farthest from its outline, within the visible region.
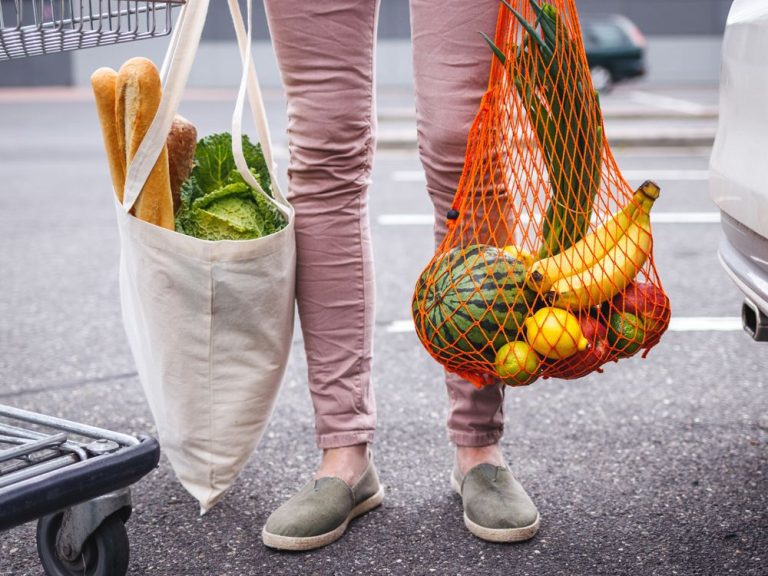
(469, 302)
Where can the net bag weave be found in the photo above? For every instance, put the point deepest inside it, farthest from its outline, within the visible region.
(547, 268)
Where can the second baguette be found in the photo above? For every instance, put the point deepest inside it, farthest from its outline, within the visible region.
(138, 94)
(104, 83)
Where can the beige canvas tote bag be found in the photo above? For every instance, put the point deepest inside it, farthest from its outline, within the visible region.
(210, 324)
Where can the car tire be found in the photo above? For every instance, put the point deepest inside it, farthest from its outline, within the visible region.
(602, 79)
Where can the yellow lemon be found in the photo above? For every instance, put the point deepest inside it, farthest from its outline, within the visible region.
(519, 254)
(555, 333)
(517, 363)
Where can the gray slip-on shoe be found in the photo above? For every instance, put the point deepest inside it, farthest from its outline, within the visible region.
(319, 513)
(496, 506)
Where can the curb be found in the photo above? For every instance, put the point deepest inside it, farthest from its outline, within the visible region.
(614, 113)
(405, 138)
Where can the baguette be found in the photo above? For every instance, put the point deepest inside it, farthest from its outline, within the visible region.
(138, 94)
(104, 82)
(182, 141)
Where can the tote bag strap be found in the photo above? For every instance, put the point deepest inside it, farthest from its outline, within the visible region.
(181, 55)
(175, 73)
(249, 86)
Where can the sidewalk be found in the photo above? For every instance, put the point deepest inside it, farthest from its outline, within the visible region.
(635, 116)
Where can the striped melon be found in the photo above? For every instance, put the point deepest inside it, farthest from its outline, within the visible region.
(469, 302)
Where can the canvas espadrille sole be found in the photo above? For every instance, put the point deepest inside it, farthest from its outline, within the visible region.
(299, 544)
(519, 534)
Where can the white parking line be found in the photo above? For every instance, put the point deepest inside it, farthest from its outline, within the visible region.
(666, 174)
(406, 219)
(656, 218)
(706, 324)
(632, 175)
(400, 327)
(668, 103)
(685, 217)
(409, 176)
(677, 324)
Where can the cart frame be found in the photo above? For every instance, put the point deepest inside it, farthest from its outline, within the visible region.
(78, 490)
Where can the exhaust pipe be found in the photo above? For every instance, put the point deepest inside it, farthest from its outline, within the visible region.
(754, 321)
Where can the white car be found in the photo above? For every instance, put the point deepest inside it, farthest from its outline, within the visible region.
(739, 161)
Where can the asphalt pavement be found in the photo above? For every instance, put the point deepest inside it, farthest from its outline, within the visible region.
(655, 467)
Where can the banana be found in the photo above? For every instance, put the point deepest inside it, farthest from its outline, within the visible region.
(519, 254)
(609, 276)
(594, 246)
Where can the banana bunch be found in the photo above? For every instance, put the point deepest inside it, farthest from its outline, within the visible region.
(604, 262)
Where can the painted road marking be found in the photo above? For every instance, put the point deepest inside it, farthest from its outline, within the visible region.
(656, 218)
(644, 174)
(669, 103)
(706, 324)
(409, 176)
(685, 218)
(677, 324)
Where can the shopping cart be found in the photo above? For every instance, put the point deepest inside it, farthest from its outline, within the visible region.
(32, 27)
(73, 478)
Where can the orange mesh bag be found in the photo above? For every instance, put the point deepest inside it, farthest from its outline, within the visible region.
(547, 267)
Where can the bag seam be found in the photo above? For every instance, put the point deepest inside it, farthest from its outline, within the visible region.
(211, 467)
(235, 258)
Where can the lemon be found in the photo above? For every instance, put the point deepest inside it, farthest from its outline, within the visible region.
(519, 254)
(517, 363)
(555, 333)
(626, 333)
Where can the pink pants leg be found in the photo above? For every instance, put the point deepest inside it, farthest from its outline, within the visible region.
(325, 51)
(451, 64)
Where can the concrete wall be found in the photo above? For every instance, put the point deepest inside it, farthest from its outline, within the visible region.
(654, 17)
(684, 39)
(671, 60)
(218, 63)
(683, 60)
(666, 17)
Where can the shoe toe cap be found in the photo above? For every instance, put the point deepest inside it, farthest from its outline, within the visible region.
(501, 518)
(494, 499)
(311, 512)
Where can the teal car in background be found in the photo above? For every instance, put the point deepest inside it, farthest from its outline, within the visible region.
(615, 50)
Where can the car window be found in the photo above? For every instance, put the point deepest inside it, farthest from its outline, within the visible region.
(604, 35)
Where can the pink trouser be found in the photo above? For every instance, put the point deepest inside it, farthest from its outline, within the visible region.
(325, 52)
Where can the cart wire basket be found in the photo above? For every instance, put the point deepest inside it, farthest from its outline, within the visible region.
(74, 479)
(34, 27)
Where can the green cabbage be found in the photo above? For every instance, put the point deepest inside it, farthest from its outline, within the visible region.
(217, 204)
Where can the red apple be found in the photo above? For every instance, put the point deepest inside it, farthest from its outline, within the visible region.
(648, 302)
(582, 363)
(644, 300)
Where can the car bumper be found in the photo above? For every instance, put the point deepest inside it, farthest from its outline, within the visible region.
(744, 255)
(630, 69)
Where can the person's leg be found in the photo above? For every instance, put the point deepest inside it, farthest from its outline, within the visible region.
(451, 66)
(325, 52)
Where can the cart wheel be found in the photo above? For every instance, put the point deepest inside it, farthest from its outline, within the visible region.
(105, 553)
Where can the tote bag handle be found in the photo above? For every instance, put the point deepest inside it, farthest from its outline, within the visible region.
(249, 85)
(175, 71)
